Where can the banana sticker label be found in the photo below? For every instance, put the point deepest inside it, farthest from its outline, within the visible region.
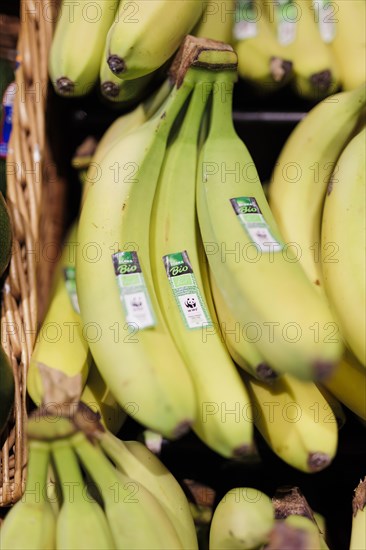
(133, 292)
(186, 292)
(256, 227)
(287, 14)
(325, 18)
(246, 17)
(70, 282)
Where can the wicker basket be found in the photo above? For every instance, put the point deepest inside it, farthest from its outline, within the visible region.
(35, 197)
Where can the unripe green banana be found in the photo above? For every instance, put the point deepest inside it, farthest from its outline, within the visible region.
(81, 523)
(242, 520)
(136, 519)
(137, 462)
(78, 43)
(31, 524)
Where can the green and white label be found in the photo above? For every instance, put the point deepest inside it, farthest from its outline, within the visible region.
(70, 282)
(324, 16)
(251, 218)
(186, 292)
(287, 15)
(133, 292)
(246, 17)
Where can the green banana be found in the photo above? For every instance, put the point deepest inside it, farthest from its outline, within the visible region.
(344, 224)
(31, 524)
(81, 523)
(78, 43)
(298, 532)
(146, 34)
(137, 462)
(178, 283)
(302, 172)
(242, 520)
(254, 270)
(136, 519)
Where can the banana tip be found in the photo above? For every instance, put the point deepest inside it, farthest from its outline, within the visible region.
(181, 429)
(64, 85)
(323, 369)
(322, 81)
(110, 89)
(265, 373)
(318, 461)
(116, 64)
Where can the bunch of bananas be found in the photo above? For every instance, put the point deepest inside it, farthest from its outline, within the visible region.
(316, 45)
(87, 489)
(123, 44)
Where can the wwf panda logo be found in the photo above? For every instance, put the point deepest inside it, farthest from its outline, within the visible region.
(190, 304)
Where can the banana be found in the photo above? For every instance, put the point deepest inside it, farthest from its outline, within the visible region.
(239, 341)
(81, 523)
(217, 21)
(61, 345)
(302, 172)
(296, 421)
(136, 518)
(344, 224)
(349, 42)
(348, 384)
(254, 271)
(101, 401)
(315, 69)
(134, 352)
(261, 59)
(137, 462)
(117, 90)
(78, 43)
(334, 404)
(358, 530)
(146, 34)
(31, 524)
(242, 520)
(298, 532)
(179, 288)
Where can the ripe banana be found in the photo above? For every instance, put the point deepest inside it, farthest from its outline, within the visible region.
(31, 524)
(254, 271)
(78, 44)
(81, 523)
(302, 172)
(217, 21)
(349, 43)
(242, 520)
(296, 421)
(344, 223)
(261, 59)
(61, 345)
(358, 531)
(315, 69)
(136, 461)
(146, 34)
(348, 384)
(179, 288)
(135, 516)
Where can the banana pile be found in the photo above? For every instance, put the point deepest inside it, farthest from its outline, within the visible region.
(87, 489)
(124, 48)
(316, 45)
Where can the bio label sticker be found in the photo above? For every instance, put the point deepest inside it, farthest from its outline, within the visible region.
(7, 118)
(246, 18)
(287, 15)
(133, 292)
(256, 227)
(324, 17)
(186, 292)
(70, 282)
